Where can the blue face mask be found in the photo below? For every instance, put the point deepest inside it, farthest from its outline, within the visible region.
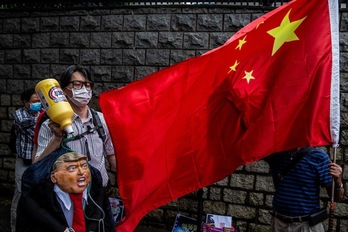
(35, 106)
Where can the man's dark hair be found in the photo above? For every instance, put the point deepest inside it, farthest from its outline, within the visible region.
(26, 95)
(66, 75)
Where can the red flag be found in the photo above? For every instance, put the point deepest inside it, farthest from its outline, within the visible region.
(273, 86)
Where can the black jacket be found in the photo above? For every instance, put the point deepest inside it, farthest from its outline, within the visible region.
(39, 210)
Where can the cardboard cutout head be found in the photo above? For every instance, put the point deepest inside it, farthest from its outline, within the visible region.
(71, 172)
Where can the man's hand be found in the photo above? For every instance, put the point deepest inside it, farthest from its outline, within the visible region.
(55, 127)
(335, 171)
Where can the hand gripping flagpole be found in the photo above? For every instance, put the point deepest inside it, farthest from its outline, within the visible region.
(332, 198)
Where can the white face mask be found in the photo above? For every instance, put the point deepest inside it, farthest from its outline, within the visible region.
(80, 97)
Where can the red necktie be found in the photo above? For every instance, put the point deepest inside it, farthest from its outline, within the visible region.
(79, 224)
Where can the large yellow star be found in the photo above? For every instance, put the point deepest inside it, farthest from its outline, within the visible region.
(249, 76)
(241, 42)
(233, 68)
(285, 32)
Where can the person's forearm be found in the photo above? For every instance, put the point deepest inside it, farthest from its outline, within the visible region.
(34, 153)
(339, 190)
(112, 161)
(52, 145)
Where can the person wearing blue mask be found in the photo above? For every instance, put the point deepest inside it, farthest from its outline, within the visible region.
(24, 123)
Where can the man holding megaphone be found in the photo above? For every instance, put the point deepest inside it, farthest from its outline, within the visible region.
(89, 128)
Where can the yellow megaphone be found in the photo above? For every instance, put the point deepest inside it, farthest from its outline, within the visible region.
(55, 103)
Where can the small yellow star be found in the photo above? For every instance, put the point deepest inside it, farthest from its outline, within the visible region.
(233, 68)
(285, 32)
(241, 42)
(248, 76)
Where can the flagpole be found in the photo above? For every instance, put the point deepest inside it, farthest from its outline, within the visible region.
(200, 210)
(332, 199)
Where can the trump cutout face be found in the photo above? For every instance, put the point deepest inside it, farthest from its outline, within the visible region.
(71, 173)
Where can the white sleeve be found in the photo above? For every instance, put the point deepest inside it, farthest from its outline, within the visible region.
(44, 137)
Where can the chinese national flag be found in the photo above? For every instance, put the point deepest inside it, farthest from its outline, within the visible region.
(273, 86)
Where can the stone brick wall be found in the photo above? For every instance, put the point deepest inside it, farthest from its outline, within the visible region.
(125, 44)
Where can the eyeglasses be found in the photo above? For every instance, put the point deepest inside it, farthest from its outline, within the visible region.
(79, 84)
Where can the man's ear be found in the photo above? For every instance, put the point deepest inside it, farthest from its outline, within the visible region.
(53, 177)
(26, 104)
(66, 91)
